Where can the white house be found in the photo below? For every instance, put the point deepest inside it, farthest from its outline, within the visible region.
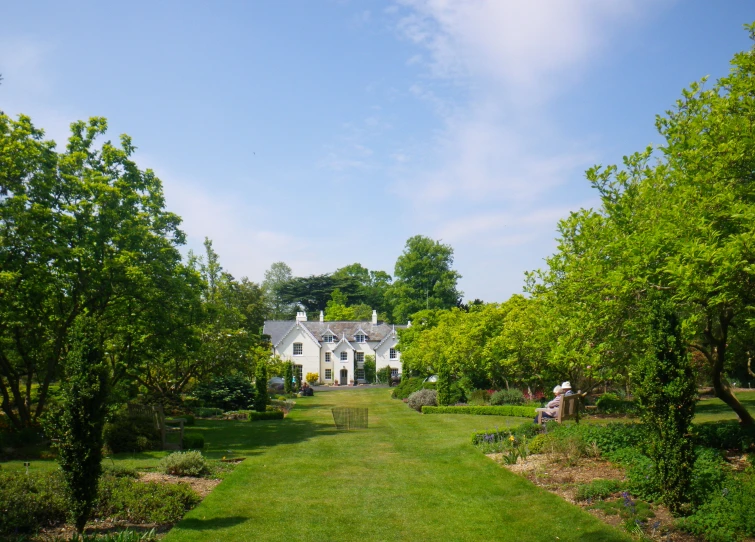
(331, 348)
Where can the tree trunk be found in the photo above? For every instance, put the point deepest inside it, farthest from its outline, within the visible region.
(722, 389)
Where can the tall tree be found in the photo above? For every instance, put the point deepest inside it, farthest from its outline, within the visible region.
(424, 278)
(275, 277)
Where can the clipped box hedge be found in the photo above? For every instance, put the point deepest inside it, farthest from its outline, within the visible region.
(503, 410)
(255, 416)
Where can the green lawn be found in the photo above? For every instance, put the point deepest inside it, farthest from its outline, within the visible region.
(407, 477)
(713, 410)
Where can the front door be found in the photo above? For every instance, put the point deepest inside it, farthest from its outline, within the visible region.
(344, 377)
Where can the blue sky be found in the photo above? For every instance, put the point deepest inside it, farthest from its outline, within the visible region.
(322, 133)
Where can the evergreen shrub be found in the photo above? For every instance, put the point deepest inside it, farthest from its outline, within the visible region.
(423, 398)
(126, 499)
(229, 392)
(407, 386)
(32, 501)
(190, 463)
(610, 403)
(193, 442)
(124, 433)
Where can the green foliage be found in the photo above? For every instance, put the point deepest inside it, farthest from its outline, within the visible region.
(190, 463)
(423, 278)
(189, 419)
(288, 378)
(406, 387)
(122, 536)
(610, 403)
(444, 383)
(510, 410)
(479, 398)
(124, 433)
(79, 428)
(726, 435)
(369, 368)
(511, 396)
(204, 412)
(422, 398)
(126, 499)
(630, 510)
(229, 392)
(193, 442)
(32, 501)
(261, 398)
(667, 393)
(384, 374)
(598, 489)
(269, 415)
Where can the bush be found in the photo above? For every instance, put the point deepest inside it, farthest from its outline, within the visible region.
(422, 398)
(598, 489)
(123, 536)
(384, 375)
(125, 499)
(261, 398)
(184, 464)
(267, 415)
(508, 410)
(479, 398)
(30, 502)
(125, 433)
(312, 378)
(369, 368)
(205, 412)
(709, 473)
(193, 442)
(726, 435)
(507, 397)
(443, 385)
(406, 387)
(230, 392)
(610, 403)
(190, 420)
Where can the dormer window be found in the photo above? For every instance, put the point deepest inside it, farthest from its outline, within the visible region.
(328, 338)
(360, 337)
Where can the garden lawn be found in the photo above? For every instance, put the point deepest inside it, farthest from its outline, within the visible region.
(407, 477)
(713, 410)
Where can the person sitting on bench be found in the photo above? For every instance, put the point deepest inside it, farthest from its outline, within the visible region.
(553, 406)
(566, 388)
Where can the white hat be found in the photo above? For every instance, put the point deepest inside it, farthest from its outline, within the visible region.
(566, 385)
(557, 389)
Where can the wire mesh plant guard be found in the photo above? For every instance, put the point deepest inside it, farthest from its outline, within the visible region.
(348, 418)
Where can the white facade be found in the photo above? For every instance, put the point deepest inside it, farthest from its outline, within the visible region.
(331, 348)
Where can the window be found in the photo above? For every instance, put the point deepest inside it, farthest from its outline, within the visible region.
(394, 372)
(360, 338)
(327, 338)
(298, 372)
(327, 357)
(344, 356)
(393, 354)
(360, 374)
(359, 357)
(328, 374)
(298, 350)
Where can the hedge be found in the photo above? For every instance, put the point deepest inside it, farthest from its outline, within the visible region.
(504, 410)
(268, 415)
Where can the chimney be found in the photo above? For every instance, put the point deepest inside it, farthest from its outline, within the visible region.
(408, 323)
(374, 318)
(322, 317)
(301, 316)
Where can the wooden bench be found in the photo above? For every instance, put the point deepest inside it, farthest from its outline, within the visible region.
(567, 410)
(165, 427)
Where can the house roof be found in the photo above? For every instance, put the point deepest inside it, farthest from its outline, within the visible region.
(277, 329)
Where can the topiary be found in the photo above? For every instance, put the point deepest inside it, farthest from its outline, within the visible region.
(261, 399)
(421, 398)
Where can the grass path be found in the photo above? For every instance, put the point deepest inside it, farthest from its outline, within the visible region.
(407, 477)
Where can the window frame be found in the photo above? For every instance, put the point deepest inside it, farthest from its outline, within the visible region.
(344, 355)
(328, 374)
(299, 371)
(394, 371)
(327, 357)
(360, 338)
(359, 357)
(360, 374)
(392, 353)
(301, 349)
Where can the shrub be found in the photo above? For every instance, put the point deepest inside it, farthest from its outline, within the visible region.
(261, 398)
(288, 378)
(125, 499)
(610, 403)
(443, 385)
(312, 378)
(725, 435)
(479, 398)
(709, 473)
(369, 368)
(506, 410)
(125, 433)
(190, 463)
(507, 397)
(190, 420)
(384, 375)
(205, 412)
(406, 387)
(239, 414)
(598, 489)
(267, 415)
(193, 442)
(123, 536)
(31, 501)
(229, 392)
(422, 398)
(118, 471)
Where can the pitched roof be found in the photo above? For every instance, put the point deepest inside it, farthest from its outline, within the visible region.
(277, 329)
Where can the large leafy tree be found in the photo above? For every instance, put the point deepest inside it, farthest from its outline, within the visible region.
(424, 278)
(275, 277)
(80, 230)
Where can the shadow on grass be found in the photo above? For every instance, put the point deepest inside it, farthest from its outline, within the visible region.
(716, 406)
(194, 524)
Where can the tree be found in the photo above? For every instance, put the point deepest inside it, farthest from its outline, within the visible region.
(288, 378)
(275, 277)
(83, 230)
(82, 419)
(424, 278)
(444, 384)
(369, 368)
(666, 394)
(261, 398)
